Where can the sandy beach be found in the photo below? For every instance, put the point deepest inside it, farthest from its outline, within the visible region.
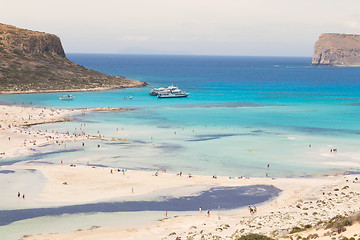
(302, 202)
(20, 137)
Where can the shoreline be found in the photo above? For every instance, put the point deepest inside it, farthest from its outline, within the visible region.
(135, 84)
(20, 138)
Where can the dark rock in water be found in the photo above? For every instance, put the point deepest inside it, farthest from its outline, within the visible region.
(337, 49)
(33, 61)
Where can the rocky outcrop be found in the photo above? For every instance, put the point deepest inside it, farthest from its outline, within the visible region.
(16, 40)
(337, 49)
(33, 61)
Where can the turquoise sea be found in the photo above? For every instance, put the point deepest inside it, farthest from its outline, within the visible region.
(242, 114)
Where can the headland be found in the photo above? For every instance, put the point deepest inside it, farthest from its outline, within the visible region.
(33, 62)
(337, 49)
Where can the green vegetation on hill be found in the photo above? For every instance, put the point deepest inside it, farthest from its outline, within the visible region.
(35, 62)
(254, 236)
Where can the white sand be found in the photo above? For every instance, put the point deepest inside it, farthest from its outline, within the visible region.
(303, 200)
(19, 139)
(17, 136)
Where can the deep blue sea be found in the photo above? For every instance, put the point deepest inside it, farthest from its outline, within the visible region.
(242, 114)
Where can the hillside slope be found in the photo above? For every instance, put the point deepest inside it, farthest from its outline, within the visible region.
(36, 62)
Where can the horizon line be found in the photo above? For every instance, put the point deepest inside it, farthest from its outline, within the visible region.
(174, 54)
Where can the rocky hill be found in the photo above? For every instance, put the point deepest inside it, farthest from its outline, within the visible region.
(337, 49)
(36, 62)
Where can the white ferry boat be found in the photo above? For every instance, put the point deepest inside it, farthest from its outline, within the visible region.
(172, 94)
(156, 91)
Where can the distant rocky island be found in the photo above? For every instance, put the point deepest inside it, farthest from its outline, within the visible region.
(337, 49)
(33, 61)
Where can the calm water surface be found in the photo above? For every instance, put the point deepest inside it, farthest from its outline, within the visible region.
(242, 114)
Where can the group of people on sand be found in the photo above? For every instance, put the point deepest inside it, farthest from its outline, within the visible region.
(252, 209)
(181, 173)
(47, 136)
(118, 170)
(333, 150)
(19, 195)
(208, 212)
(162, 170)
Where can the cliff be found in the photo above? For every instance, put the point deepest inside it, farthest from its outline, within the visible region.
(336, 49)
(36, 62)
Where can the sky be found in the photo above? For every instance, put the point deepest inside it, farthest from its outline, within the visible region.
(190, 27)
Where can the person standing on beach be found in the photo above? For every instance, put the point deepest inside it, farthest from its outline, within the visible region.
(250, 209)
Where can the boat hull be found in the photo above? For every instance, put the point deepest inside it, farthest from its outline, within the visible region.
(172, 95)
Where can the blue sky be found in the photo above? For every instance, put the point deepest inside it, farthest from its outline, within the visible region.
(211, 27)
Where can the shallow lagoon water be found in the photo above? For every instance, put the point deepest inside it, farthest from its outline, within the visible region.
(242, 114)
(70, 222)
(226, 197)
(207, 148)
